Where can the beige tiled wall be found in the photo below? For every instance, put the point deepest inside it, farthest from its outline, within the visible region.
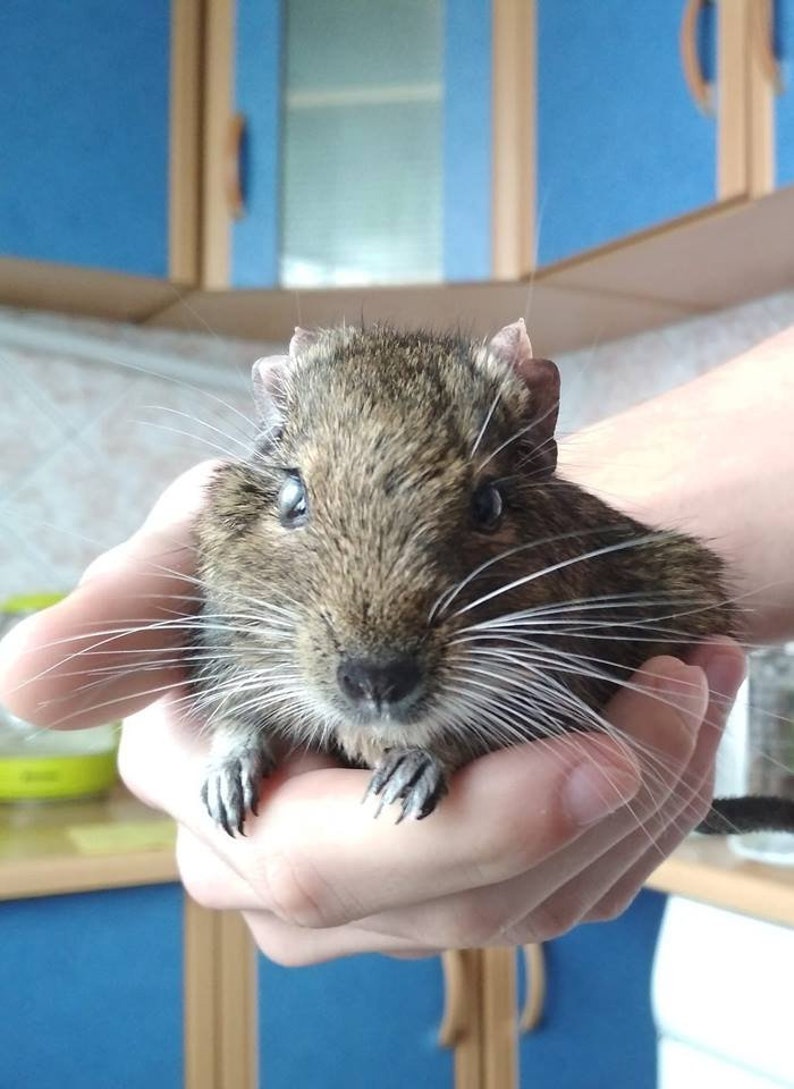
(91, 430)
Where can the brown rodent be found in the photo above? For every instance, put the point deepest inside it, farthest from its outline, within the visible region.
(396, 574)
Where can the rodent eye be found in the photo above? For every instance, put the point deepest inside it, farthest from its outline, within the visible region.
(487, 506)
(293, 507)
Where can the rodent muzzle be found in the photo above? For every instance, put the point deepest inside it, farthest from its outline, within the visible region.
(387, 685)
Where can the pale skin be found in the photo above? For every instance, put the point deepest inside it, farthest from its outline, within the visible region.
(531, 841)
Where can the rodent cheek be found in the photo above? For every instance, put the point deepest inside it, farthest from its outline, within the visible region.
(315, 656)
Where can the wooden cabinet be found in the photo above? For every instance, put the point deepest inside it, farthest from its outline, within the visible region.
(624, 141)
(635, 115)
(99, 124)
(373, 143)
(112, 977)
(353, 142)
(340, 150)
(91, 990)
(576, 1011)
(597, 1025)
(363, 1021)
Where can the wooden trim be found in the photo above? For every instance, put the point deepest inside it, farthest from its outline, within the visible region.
(220, 994)
(514, 152)
(707, 870)
(217, 112)
(185, 113)
(200, 996)
(237, 997)
(28, 877)
(90, 292)
(469, 1046)
(761, 103)
(732, 82)
(500, 1019)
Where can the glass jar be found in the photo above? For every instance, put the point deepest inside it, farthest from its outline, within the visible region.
(765, 747)
(38, 764)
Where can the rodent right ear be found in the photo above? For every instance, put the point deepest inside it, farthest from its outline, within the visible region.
(269, 379)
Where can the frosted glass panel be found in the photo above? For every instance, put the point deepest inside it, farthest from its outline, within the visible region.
(362, 184)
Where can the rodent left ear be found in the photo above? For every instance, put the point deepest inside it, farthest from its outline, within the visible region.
(512, 346)
(301, 341)
(268, 376)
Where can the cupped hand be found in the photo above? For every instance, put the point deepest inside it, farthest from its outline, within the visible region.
(529, 842)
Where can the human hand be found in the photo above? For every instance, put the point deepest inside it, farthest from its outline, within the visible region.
(529, 842)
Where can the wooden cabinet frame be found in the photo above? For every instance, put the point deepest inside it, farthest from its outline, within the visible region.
(762, 88)
(515, 62)
(185, 134)
(514, 98)
(217, 109)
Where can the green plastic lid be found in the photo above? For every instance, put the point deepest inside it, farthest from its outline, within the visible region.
(18, 604)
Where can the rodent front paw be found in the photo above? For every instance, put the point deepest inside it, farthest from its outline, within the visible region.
(231, 788)
(413, 776)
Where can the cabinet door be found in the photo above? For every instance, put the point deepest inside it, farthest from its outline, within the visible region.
(353, 1024)
(597, 1026)
(86, 133)
(783, 47)
(621, 145)
(91, 990)
(366, 154)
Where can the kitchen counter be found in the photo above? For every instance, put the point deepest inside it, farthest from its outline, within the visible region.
(58, 847)
(706, 869)
(52, 848)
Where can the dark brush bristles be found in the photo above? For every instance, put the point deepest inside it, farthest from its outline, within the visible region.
(755, 813)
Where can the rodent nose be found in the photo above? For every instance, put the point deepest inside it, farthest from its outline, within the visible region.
(364, 680)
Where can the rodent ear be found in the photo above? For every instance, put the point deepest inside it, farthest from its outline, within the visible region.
(301, 341)
(512, 346)
(511, 343)
(268, 375)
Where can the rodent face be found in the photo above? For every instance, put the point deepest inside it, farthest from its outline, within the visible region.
(415, 455)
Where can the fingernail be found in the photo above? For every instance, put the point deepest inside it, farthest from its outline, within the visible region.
(725, 673)
(593, 791)
(683, 687)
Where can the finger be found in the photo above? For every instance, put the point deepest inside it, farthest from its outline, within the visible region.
(207, 877)
(663, 709)
(294, 946)
(213, 884)
(112, 645)
(604, 889)
(317, 857)
(725, 667)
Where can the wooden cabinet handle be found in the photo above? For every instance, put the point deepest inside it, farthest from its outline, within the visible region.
(233, 182)
(535, 970)
(699, 88)
(457, 998)
(762, 31)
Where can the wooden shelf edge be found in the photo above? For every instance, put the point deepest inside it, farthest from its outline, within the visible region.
(26, 878)
(559, 319)
(84, 292)
(736, 250)
(710, 873)
(722, 256)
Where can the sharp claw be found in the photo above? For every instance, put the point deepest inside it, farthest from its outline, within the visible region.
(231, 789)
(412, 776)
